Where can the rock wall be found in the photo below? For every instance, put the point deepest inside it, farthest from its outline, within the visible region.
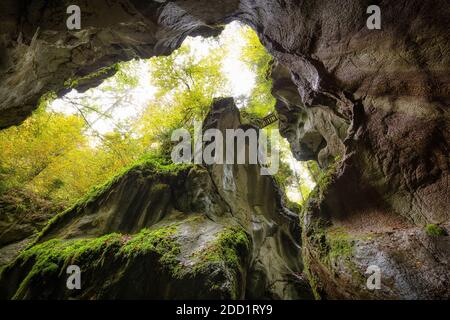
(375, 101)
(257, 202)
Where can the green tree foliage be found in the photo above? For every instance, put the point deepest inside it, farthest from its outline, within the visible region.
(30, 149)
(186, 86)
(255, 56)
(52, 153)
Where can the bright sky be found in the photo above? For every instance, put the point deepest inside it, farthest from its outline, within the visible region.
(241, 81)
(137, 99)
(292, 191)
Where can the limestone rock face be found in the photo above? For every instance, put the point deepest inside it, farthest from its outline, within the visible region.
(375, 100)
(38, 54)
(348, 233)
(257, 202)
(170, 231)
(378, 99)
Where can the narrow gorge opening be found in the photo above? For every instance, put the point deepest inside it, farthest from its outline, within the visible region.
(132, 114)
(76, 148)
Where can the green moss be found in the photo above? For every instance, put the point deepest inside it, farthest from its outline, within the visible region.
(229, 248)
(46, 99)
(220, 264)
(434, 230)
(340, 245)
(333, 245)
(329, 246)
(51, 258)
(46, 263)
(161, 241)
(148, 166)
(327, 177)
(324, 180)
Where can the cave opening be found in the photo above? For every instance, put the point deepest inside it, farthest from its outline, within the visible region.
(131, 115)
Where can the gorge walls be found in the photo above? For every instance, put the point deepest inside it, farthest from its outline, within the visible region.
(371, 106)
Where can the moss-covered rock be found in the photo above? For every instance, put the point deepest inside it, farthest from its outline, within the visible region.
(150, 264)
(434, 230)
(228, 249)
(152, 176)
(347, 230)
(257, 203)
(326, 248)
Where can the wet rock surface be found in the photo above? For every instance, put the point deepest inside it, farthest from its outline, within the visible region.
(374, 101)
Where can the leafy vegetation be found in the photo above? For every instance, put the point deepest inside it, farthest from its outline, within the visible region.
(435, 230)
(260, 62)
(229, 248)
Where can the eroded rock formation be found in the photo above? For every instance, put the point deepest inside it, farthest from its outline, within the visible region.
(171, 231)
(373, 104)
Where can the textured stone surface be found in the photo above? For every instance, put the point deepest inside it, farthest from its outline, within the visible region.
(345, 232)
(392, 87)
(378, 99)
(256, 201)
